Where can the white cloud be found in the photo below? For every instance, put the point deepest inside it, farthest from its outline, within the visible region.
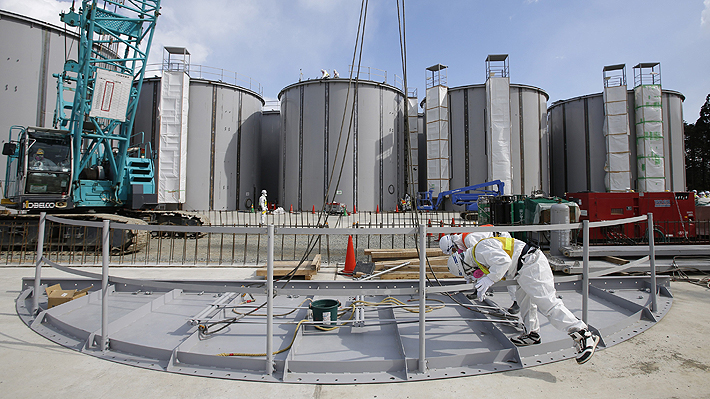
(705, 15)
(43, 10)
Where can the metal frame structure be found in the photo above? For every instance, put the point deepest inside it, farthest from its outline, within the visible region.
(156, 324)
(497, 66)
(439, 76)
(176, 59)
(647, 73)
(614, 75)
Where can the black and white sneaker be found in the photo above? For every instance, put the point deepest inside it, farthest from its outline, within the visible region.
(531, 338)
(586, 344)
(514, 308)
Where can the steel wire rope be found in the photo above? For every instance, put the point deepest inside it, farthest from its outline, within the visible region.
(204, 328)
(416, 213)
(313, 240)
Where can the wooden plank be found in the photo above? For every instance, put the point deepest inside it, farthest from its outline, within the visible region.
(414, 269)
(284, 271)
(437, 260)
(315, 263)
(414, 276)
(290, 263)
(283, 267)
(615, 260)
(376, 253)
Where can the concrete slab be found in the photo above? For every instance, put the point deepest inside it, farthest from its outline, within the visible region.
(669, 360)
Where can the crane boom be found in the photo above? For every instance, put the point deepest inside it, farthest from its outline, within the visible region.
(107, 78)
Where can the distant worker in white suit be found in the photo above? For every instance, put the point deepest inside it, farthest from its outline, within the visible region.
(502, 257)
(262, 206)
(461, 242)
(324, 74)
(336, 75)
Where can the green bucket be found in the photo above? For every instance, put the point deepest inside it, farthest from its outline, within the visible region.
(323, 306)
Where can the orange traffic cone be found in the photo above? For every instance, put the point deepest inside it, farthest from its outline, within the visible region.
(291, 210)
(314, 209)
(349, 258)
(429, 225)
(441, 224)
(453, 222)
(378, 209)
(354, 209)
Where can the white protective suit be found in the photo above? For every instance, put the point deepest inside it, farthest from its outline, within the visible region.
(468, 240)
(537, 284)
(262, 206)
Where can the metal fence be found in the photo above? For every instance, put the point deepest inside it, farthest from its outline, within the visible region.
(80, 245)
(418, 233)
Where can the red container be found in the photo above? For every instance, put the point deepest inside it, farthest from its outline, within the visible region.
(669, 210)
(607, 206)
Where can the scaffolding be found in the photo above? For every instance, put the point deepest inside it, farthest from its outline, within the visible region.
(498, 151)
(616, 130)
(173, 110)
(413, 113)
(437, 128)
(649, 127)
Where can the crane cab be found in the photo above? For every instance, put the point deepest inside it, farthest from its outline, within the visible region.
(39, 169)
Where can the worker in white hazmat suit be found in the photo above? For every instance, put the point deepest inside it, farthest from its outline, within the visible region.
(263, 207)
(502, 257)
(461, 242)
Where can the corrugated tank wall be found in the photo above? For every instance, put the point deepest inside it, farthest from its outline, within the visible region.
(30, 52)
(528, 114)
(223, 140)
(270, 154)
(578, 150)
(312, 113)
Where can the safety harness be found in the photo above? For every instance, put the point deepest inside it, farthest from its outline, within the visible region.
(508, 246)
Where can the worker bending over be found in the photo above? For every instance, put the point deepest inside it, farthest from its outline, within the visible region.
(461, 242)
(499, 257)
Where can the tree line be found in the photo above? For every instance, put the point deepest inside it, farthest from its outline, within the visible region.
(697, 150)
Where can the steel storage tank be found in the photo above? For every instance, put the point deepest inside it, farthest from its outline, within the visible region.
(373, 170)
(578, 148)
(270, 154)
(30, 53)
(528, 115)
(224, 122)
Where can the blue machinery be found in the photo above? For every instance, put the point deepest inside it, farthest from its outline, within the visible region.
(91, 143)
(466, 196)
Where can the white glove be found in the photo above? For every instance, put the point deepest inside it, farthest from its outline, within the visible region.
(482, 286)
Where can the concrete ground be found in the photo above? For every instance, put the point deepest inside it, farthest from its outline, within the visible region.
(671, 360)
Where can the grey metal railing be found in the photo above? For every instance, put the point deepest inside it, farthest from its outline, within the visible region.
(271, 231)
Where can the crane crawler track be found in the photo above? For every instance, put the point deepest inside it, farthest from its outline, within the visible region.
(21, 230)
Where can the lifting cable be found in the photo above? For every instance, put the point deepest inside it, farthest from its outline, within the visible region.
(313, 240)
(401, 22)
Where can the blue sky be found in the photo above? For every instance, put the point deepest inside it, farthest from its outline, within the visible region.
(560, 46)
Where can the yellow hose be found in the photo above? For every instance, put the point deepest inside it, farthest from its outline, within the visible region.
(387, 301)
